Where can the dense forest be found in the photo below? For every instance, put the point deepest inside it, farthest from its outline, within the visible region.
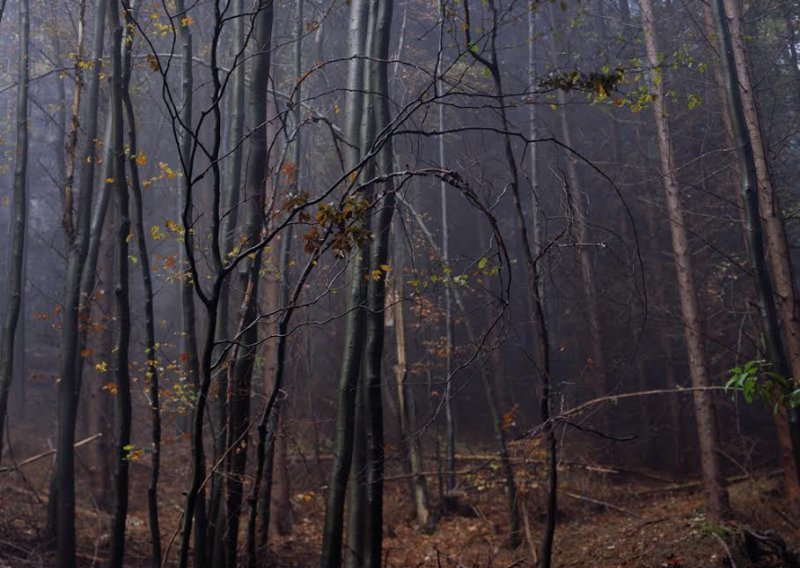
(370, 283)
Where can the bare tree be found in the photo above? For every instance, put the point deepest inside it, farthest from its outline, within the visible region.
(491, 63)
(756, 190)
(705, 410)
(376, 292)
(333, 527)
(151, 354)
(121, 292)
(450, 421)
(580, 219)
(63, 511)
(15, 282)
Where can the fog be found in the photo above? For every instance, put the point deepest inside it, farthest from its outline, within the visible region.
(315, 281)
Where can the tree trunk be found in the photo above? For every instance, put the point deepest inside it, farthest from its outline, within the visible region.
(121, 291)
(716, 495)
(450, 426)
(579, 219)
(410, 438)
(15, 281)
(494, 412)
(151, 355)
(762, 227)
(98, 402)
(99, 405)
(240, 385)
(228, 230)
(540, 347)
(378, 86)
(74, 302)
(332, 531)
(272, 299)
(787, 459)
(281, 521)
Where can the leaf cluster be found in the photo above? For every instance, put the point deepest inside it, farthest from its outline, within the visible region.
(757, 381)
(601, 83)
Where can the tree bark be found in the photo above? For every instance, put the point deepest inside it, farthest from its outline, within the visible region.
(240, 385)
(151, 355)
(376, 293)
(410, 438)
(279, 495)
(333, 528)
(74, 304)
(763, 223)
(121, 291)
(716, 495)
(227, 234)
(450, 424)
(15, 282)
(780, 418)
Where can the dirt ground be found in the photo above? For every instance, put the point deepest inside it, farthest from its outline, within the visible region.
(607, 518)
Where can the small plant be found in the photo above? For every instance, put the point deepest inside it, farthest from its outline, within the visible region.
(756, 380)
(704, 527)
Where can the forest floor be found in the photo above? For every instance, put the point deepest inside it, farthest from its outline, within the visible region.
(607, 518)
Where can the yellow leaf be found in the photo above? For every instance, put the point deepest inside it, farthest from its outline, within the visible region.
(167, 171)
(141, 159)
(173, 226)
(152, 60)
(509, 418)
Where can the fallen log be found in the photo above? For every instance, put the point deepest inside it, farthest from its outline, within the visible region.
(603, 504)
(699, 484)
(43, 455)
